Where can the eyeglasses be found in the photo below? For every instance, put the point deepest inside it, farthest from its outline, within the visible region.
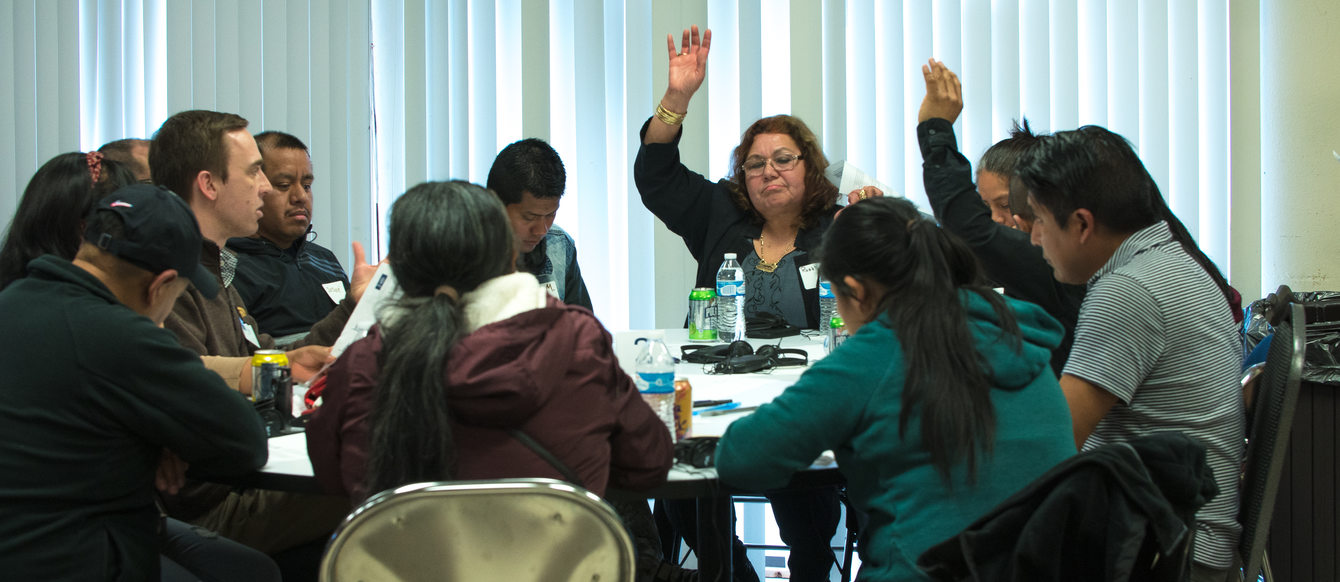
(782, 162)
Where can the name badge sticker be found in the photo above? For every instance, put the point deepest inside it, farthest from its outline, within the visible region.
(552, 288)
(249, 333)
(809, 275)
(335, 289)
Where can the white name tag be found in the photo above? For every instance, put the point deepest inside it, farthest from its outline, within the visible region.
(809, 275)
(335, 290)
(249, 333)
(552, 288)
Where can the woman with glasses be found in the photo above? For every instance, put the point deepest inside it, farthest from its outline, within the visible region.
(770, 211)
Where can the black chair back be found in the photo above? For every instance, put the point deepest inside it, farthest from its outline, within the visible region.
(1272, 413)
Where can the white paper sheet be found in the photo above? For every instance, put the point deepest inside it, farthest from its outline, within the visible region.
(848, 177)
(381, 290)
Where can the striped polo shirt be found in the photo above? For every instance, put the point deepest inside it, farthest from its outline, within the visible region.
(1155, 331)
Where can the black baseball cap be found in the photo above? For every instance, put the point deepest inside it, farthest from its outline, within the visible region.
(160, 233)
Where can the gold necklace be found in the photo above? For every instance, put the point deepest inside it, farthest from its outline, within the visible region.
(764, 265)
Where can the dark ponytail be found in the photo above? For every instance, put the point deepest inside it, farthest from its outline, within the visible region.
(923, 270)
(1181, 235)
(446, 238)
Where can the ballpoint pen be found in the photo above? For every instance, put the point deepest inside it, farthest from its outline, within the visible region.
(717, 408)
(733, 409)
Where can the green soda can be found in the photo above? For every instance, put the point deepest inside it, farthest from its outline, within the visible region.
(701, 326)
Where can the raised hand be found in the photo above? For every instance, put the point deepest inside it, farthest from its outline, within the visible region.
(363, 272)
(944, 94)
(688, 67)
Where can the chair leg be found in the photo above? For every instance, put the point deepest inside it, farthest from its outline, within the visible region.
(852, 530)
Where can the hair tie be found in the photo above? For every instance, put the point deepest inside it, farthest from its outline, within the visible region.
(94, 160)
(449, 291)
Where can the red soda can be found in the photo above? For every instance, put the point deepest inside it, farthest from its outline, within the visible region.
(683, 409)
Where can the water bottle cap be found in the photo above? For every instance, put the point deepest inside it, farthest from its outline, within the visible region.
(730, 256)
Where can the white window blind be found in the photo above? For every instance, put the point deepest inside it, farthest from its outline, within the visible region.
(389, 93)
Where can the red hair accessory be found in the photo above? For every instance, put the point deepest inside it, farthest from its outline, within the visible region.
(94, 165)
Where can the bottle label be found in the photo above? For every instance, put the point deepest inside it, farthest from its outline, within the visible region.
(728, 288)
(658, 382)
(825, 290)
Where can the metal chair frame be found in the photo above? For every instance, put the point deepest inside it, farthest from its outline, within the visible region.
(1273, 403)
(513, 529)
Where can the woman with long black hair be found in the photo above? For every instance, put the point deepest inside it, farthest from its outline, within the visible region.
(471, 363)
(50, 216)
(940, 405)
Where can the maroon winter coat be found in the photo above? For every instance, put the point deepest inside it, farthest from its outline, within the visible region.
(550, 372)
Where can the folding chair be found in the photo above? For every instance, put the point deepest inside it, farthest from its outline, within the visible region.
(1272, 407)
(510, 529)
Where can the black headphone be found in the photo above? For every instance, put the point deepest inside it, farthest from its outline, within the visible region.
(697, 451)
(740, 358)
(711, 354)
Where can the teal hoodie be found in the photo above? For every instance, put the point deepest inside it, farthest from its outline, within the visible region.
(849, 402)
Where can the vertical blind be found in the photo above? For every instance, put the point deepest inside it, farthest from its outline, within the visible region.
(86, 72)
(389, 93)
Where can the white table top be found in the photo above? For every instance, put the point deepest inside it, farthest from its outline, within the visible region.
(288, 453)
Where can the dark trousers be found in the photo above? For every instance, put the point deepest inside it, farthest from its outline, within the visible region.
(807, 520)
(696, 520)
(189, 552)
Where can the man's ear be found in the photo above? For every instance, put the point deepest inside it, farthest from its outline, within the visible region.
(1084, 222)
(205, 183)
(160, 284)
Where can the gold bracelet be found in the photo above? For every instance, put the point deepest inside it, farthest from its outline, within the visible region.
(669, 117)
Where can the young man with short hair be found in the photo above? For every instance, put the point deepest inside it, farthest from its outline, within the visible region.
(1156, 344)
(211, 161)
(529, 178)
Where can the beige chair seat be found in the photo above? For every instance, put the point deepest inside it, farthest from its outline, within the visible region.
(510, 529)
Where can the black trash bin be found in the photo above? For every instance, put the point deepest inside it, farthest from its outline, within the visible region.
(1305, 533)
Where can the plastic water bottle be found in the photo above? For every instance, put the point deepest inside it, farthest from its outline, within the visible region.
(827, 304)
(730, 300)
(836, 334)
(655, 378)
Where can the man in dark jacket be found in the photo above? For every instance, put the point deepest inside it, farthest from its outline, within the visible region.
(289, 283)
(80, 439)
(529, 178)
